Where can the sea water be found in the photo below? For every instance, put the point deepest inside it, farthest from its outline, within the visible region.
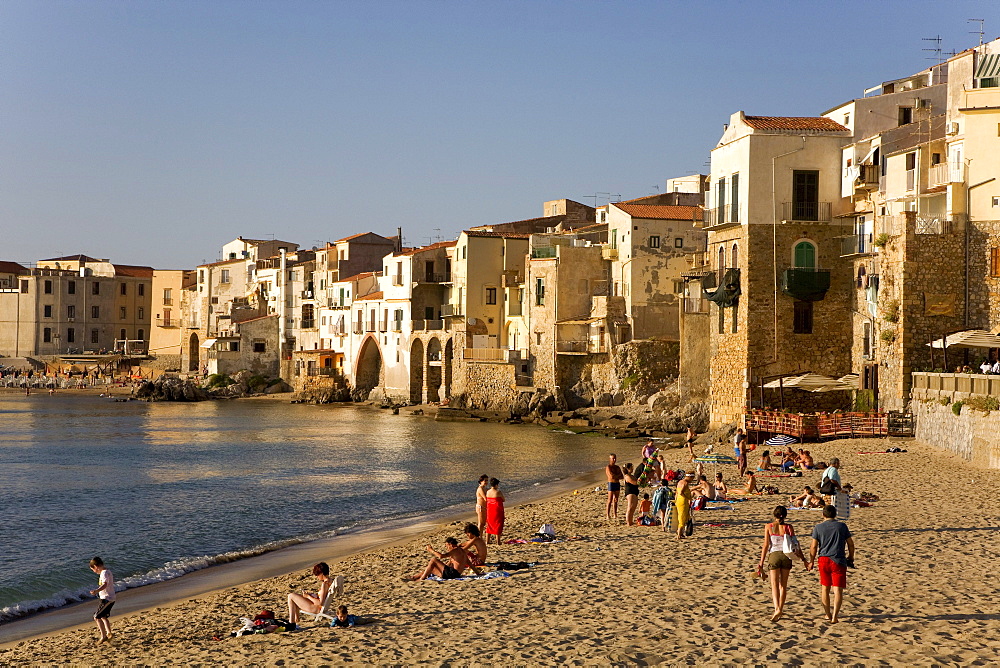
(162, 489)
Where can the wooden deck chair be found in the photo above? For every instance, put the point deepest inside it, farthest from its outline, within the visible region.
(327, 610)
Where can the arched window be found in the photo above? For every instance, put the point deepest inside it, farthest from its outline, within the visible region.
(804, 255)
(722, 257)
(734, 258)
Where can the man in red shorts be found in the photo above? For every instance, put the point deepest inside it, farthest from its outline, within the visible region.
(829, 539)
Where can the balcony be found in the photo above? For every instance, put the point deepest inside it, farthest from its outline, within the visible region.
(160, 322)
(512, 278)
(427, 325)
(946, 173)
(492, 355)
(397, 325)
(397, 280)
(609, 253)
(167, 301)
(810, 285)
(868, 176)
(306, 294)
(580, 347)
(307, 324)
(721, 217)
(514, 309)
(359, 328)
(806, 212)
(939, 224)
(856, 244)
(695, 305)
(323, 371)
(433, 278)
(370, 326)
(452, 310)
(383, 325)
(543, 253)
(911, 179)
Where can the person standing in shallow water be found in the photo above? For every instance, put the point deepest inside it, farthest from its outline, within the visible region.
(615, 475)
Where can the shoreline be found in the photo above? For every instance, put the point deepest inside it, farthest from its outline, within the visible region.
(281, 562)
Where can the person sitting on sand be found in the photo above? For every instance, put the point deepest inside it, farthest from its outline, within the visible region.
(308, 601)
(807, 499)
(704, 489)
(475, 547)
(788, 461)
(446, 565)
(765, 461)
(751, 485)
(721, 491)
(342, 619)
(645, 506)
(806, 460)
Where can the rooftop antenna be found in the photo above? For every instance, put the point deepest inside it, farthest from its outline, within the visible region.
(594, 197)
(979, 32)
(936, 48)
(437, 235)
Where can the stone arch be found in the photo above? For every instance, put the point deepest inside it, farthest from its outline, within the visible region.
(194, 353)
(434, 370)
(417, 371)
(370, 371)
(446, 361)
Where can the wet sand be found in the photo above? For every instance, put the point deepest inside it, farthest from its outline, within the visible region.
(923, 594)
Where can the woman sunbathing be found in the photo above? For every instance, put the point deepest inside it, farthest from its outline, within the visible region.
(808, 499)
(307, 601)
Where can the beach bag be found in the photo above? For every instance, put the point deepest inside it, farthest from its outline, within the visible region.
(827, 488)
(547, 529)
(689, 528)
(790, 544)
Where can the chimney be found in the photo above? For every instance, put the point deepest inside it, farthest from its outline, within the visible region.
(399, 239)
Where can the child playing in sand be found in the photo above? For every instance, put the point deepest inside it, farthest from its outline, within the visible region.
(645, 507)
(106, 592)
(343, 620)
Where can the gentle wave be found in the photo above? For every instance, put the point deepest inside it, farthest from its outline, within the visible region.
(169, 571)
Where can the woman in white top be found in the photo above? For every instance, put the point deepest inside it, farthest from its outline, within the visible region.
(308, 601)
(778, 562)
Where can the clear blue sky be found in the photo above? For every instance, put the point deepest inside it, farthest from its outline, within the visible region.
(152, 132)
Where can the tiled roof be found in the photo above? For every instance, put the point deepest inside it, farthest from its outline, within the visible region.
(363, 234)
(499, 235)
(73, 258)
(8, 267)
(364, 274)
(793, 123)
(260, 317)
(439, 244)
(372, 296)
(662, 212)
(213, 264)
(133, 271)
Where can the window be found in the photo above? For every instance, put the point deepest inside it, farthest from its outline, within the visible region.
(935, 158)
(47, 311)
(124, 288)
(802, 320)
(261, 346)
(166, 317)
(234, 346)
(70, 335)
(95, 336)
(71, 311)
(47, 335)
(71, 287)
(141, 335)
(734, 260)
(678, 242)
(720, 202)
(905, 115)
(224, 278)
(463, 252)
(24, 287)
(48, 287)
(995, 261)
(95, 288)
(122, 312)
(804, 255)
(866, 340)
(539, 292)
(140, 312)
(95, 312)
(805, 195)
(734, 204)
(722, 257)
(911, 161)
(491, 295)
(168, 296)
(124, 334)
(654, 241)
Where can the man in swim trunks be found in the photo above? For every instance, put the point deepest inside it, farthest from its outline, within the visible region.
(829, 538)
(446, 565)
(615, 476)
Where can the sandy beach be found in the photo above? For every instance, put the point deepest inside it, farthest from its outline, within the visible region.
(923, 593)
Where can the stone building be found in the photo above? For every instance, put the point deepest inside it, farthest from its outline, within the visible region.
(75, 305)
(167, 337)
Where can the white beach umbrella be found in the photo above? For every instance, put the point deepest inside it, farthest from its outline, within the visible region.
(972, 338)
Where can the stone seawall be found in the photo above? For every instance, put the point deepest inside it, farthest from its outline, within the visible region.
(972, 435)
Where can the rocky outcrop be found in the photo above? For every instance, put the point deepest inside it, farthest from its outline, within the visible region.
(170, 388)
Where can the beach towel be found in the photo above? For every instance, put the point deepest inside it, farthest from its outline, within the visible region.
(492, 575)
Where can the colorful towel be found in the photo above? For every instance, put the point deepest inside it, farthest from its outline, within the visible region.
(486, 576)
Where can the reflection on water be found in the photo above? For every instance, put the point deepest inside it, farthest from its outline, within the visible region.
(146, 485)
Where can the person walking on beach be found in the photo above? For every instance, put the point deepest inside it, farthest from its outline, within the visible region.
(774, 557)
(494, 511)
(740, 450)
(829, 540)
(484, 484)
(106, 592)
(615, 475)
(689, 441)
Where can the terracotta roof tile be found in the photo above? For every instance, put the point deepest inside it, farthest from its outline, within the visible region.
(439, 244)
(8, 267)
(355, 277)
(661, 211)
(133, 271)
(794, 123)
(370, 297)
(499, 235)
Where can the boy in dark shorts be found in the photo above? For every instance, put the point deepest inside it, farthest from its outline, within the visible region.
(829, 540)
(106, 592)
(446, 565)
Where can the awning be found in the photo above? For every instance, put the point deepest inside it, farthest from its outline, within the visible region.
(972, 338)
(811, 382)
(727, 293)
(208, 343)
(579, 321)
(867, 160)
(989, 67)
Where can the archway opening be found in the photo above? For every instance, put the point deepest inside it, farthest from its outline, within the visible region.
(417, 372)
(434, 363)
(370, 371)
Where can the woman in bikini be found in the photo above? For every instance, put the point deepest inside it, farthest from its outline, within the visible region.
(777, 561)
(308, 601)
(631, 494)
(484, 484)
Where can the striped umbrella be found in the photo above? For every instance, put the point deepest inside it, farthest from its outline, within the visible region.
(780, 440)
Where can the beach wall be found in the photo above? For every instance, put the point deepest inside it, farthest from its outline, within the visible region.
(973, 435)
